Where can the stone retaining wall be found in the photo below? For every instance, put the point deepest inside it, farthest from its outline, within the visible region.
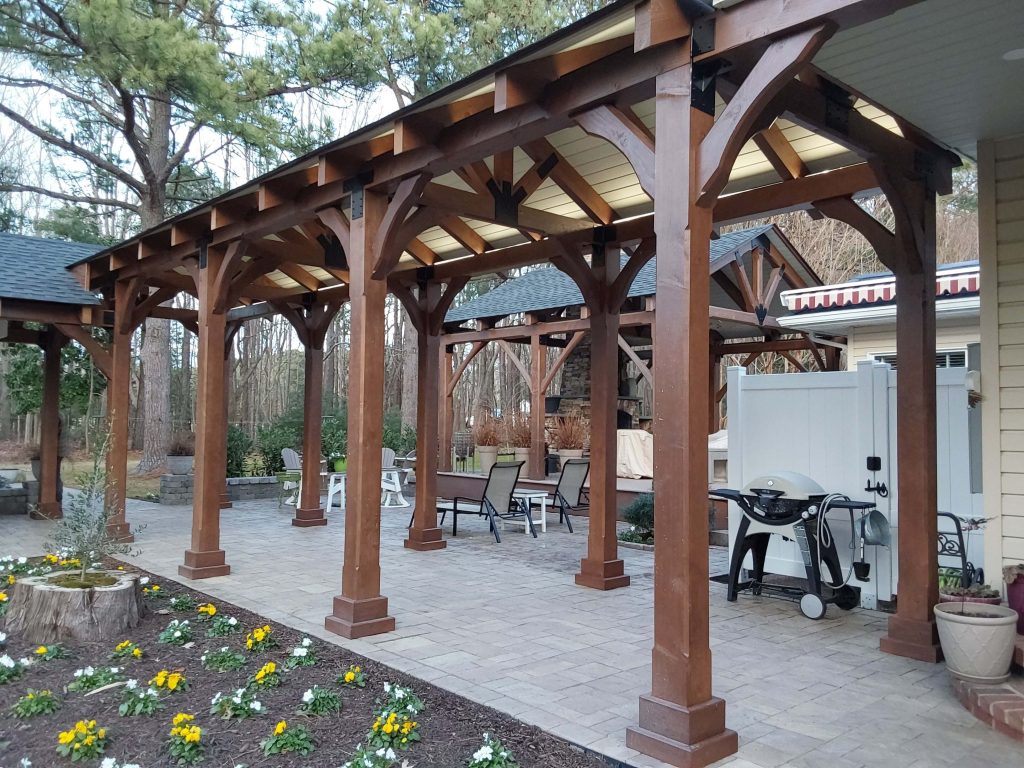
(177, 489)
(13, 501)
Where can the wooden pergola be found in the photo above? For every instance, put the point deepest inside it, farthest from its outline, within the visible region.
(544, 308)
(650, 121)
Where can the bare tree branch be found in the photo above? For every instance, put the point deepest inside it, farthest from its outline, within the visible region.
(69, 146)
(69, 197)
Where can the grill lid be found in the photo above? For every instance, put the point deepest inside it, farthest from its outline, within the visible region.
(789, 485)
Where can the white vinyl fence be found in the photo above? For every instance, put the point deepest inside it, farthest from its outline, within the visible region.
(826, 425)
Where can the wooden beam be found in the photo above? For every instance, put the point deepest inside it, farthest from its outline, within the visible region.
(473, 352)
(464, 234)
(100, 354)
(783, 59)
(878, 236)
(620, 129)
(299, 275)
(795, 194)
(505, 347)
(387, 246)
(574, 341)
(749, 300)
(780, 153)
(572, 182)
(657, 22)
(481, 208)
(640, 364)
(549, 328)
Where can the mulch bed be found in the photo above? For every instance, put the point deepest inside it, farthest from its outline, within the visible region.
(451, 726)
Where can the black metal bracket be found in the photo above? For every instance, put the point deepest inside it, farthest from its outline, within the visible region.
(424, 275)
(702, 35)
(702, 85)
(334, 252)
(356, 187)
(838, 103)
(204, 252)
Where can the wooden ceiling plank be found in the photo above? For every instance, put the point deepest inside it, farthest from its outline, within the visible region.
(481, 208)
(621, 131)
(299, 275)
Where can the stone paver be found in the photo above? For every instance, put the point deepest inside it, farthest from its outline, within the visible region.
(506, 626)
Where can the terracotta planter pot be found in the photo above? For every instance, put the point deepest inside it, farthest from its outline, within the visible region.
(488, 455)
(180, 465)
(977, 640)
(1015, 599)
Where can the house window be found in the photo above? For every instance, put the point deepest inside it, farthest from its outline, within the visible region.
(951, 358)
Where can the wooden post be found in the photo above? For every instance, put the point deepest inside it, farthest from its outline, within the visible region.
(205, 558)
(537, 468)
(118, 394)
(425, 534)
(309, 511)
(360, 609)
(912, 630)
(49, 507)
(680, 721)
(602, 568)
(446, 406)
(225, 494)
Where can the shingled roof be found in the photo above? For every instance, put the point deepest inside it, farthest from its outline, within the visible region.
(36, 269)
(550, 288)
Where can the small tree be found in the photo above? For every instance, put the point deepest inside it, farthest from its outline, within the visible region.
(83, 532)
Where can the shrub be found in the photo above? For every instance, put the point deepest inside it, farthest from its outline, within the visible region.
(569, 432)
(487, 432)
(333, 441)
(182, 445)
(273, 438)
(519, 435)
(399, 437)
(239, 446)
(640, 514)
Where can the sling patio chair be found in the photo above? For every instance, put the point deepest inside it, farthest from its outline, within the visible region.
(291, 479)
(496, 503)
(569, 494)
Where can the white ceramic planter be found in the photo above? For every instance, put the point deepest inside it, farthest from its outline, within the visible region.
(569, 453)
(977, 640)
(180, 465)
(522, 454)
(488, 455)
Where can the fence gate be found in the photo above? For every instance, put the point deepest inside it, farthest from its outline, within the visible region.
(826, 426)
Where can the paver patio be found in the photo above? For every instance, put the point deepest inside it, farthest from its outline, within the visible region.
(506, 626)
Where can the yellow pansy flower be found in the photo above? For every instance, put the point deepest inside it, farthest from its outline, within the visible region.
(280, 728)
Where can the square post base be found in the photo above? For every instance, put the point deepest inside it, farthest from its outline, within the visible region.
(121, 531)
(688, 737)
(603, 575)
(359, 618)
(47, 510)
(912, 639)
(204, 565)
(307, 518)
(425, 539)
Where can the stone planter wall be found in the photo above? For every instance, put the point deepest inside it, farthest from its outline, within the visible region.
(13, 501)
(177, 489)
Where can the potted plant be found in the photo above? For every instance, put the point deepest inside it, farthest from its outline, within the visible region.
(487, 436)
(334, 444)
(181, 454)
(977, 637)
(569, 436)
(519, 437)
(1013, 575)
(976, 593)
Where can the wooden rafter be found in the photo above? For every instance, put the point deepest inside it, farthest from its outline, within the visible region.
(570, 181)
(465, 235)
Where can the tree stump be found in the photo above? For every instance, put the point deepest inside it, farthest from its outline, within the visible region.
(43, 613)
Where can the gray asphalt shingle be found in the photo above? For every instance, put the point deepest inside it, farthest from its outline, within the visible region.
(35, 269)
(550, 288)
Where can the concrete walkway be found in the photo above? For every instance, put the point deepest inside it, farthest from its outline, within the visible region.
(506, 626)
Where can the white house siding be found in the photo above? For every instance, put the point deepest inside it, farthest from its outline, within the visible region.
(1001, 212)
(866, 342)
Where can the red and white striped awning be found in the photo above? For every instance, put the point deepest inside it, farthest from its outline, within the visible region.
(958, 281)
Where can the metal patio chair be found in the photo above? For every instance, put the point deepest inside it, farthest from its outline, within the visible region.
(496, 502)
(569, 494)
(953, 545)
(462, 448)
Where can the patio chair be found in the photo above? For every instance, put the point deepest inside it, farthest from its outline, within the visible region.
(462, 448)
(569, 494)
(496, 502)
(387, 458)
(291, 479)
(952, 545)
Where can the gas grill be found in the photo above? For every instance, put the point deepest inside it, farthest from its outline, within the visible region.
(795, 507)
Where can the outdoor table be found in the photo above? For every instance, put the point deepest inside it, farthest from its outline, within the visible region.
(526, 498)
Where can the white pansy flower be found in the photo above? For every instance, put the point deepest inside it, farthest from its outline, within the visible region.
(131, 685)
(484, 753)
(307, 696)
(255, 706)
(144, 580)
(387, 687)
(22, 560)
(300, 652)
(306, 642)
(6, 661)
(232, 621)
